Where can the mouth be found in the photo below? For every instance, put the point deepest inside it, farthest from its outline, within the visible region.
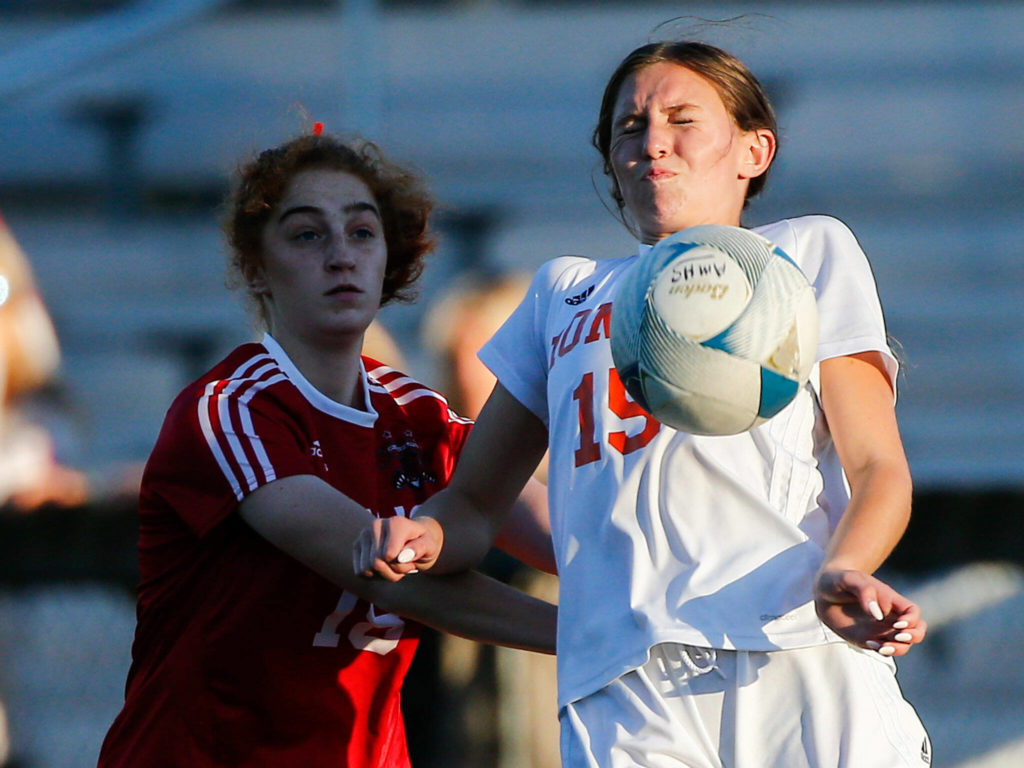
(658, 174)
(343, 290)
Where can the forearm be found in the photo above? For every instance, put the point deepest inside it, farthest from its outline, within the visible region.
(470, 605)
(874, 521)
(315, 524)
(858, 402)
(526, 534)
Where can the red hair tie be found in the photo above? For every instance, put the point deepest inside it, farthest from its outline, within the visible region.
(318, 129)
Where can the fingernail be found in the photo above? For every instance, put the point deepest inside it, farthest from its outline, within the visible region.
(872, 645)
(414, 570)
(903, 637)
(887, 650)
(900, 624)
(875, 610)
(407, 555)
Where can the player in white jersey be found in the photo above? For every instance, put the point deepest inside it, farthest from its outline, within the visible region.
(717, 606)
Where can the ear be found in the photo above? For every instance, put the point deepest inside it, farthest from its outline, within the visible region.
(258, 284)
(758, 154)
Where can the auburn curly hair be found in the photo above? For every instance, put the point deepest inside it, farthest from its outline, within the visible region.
(400, 193)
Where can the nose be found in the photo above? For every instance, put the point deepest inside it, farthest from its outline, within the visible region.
(338, 256)
(657, 141)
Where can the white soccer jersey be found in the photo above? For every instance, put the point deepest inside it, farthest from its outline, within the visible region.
(662, 536)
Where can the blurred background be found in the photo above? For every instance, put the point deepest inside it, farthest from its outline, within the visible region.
(121, 121)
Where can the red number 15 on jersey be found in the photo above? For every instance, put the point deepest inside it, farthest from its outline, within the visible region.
(620, 404)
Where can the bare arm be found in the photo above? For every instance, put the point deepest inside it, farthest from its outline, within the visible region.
(454, 528)
(526, 534)
(858, 403)
(314, 523)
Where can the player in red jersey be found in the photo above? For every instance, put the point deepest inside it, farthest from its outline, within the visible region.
(256, 645)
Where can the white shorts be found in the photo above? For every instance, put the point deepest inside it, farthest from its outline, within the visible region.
(828, 706)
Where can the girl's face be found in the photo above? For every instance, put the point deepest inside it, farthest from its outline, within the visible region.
(677, 155)
(324, 258)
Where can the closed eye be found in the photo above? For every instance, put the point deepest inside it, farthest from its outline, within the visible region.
(628, 125)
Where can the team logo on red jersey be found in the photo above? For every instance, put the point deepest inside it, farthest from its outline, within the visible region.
(406, 452)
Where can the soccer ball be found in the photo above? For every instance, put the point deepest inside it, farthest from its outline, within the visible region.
(714, 330)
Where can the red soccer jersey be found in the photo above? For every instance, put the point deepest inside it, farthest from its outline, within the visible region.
(243, 656)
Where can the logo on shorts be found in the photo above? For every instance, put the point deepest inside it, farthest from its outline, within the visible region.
(926, 751)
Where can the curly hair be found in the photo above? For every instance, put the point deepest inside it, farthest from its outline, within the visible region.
(400, 193)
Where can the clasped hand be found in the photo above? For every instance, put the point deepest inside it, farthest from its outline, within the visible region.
(392, 547)
(866, 611)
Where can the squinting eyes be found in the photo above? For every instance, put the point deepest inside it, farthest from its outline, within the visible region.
(637, 127)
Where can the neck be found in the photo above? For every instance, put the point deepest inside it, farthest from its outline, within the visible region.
(333, 369)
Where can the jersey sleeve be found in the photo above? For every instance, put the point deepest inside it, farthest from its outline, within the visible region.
(458, 429)
(218, 445)
(850, 316)
(517, 354)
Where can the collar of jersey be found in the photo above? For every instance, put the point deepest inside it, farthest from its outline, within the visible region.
(316, 398)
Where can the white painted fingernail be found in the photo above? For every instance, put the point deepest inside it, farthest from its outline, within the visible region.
(900, 624)
(414, 570)
(903, 637)
(407, 555)
(872, 645)
(887, 650)
(876, 611)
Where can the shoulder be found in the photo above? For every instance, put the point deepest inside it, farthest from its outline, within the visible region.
(813, 241)
(573, 278)
(805, 232)
(248, 377)
(248, 370)
(205, 417)
(565, 271)
(390, 387)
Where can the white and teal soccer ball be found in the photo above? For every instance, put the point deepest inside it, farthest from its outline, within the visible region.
(714, 330)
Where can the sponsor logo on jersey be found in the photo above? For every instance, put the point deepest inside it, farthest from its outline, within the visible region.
(403, 451)
(317, 452)
(579, 298)
(778, 617)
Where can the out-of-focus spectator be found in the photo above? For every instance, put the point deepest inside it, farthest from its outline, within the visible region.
(379, 344)
(30, 474)
(525, 721)
(29, 357)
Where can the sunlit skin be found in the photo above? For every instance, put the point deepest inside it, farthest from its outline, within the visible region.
(677, 155)
(324, 257)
